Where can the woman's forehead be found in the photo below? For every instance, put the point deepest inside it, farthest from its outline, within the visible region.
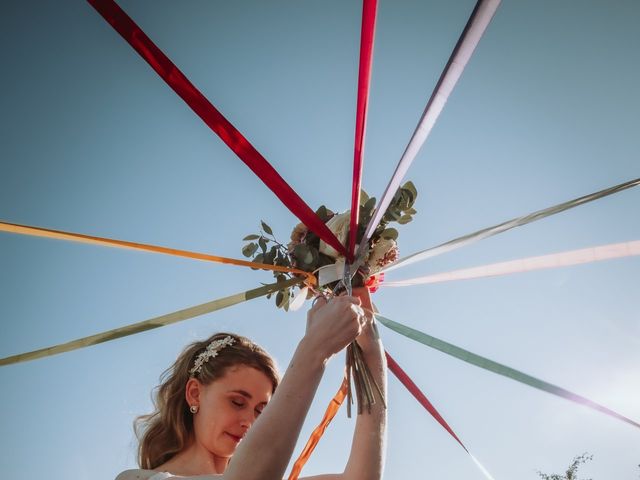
(246, 381)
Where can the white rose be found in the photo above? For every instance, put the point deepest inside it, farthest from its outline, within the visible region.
(382, 254)
(339, 226)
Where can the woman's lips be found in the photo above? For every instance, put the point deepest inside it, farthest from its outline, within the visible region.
(235, 438)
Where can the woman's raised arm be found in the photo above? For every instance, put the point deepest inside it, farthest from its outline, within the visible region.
(366, 460)
(267, 448)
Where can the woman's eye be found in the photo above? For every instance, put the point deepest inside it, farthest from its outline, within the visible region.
(237, 403)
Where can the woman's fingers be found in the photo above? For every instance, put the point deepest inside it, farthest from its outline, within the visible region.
(318, 302)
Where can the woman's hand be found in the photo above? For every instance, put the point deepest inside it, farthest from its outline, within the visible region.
(334, 324)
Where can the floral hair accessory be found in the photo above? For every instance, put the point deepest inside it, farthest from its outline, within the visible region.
(210, 352)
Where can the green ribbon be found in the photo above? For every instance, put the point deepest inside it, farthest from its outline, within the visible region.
(508, 225)
(151, 323)
(498, 368)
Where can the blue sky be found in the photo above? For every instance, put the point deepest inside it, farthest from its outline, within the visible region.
(93, 141)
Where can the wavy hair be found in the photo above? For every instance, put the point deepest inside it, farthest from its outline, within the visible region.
(169, 429)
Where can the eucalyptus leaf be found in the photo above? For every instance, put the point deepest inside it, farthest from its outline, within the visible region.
(411, 187)
(249, 249)
(270, 256)
(258, 259)
(279, 298)
(253, 236)
(323, 213)
(263, 244)
(364, 198)
(266, 228)
(405, 219)
(303, 254)
(390, 233)
(370, 203)
(283, 261)
(394, 214)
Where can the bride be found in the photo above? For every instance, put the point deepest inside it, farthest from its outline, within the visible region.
(219, 414)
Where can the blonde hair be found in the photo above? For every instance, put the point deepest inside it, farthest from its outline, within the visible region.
(169, 429)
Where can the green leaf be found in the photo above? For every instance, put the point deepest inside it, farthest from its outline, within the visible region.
(257, 259)
(279, 298)
(263, 244)
(323, 213)
(249, 249)
(390, 233)
(303, 254)
(411, 211)
(363, 197)
(283, 261)
(253, 236)
(370, 204)
(405, 219)
(270, 256)
(411, 187)
(393, 214)
(266, 228)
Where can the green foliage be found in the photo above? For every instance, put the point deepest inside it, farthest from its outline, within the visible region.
(264, 248)
(267, 250)
(572, 471)
(267, 229)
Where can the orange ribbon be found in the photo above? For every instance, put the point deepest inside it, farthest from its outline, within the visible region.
(308, 449)
(109, 242)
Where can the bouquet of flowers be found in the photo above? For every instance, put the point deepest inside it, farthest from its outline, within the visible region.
(305, 251)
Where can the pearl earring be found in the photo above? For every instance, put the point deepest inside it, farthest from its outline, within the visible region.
(193, 409)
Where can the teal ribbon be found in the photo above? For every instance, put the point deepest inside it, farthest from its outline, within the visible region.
(495, 367)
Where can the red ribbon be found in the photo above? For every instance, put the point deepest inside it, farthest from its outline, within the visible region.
(364, 79)
(422, 399)
(132, 33)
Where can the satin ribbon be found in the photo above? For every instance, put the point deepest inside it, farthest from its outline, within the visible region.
(168, 71)
(563, 259)
(149, 324)
(467, 43)
(424, 401)
(318, 432)
(508, 225)
(338, 399)
(367, 35)
(109, 242)
(498, 368)
(420, 397)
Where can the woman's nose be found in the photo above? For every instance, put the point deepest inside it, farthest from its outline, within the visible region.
(246, 420)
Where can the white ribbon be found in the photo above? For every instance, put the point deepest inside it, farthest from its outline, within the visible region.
(563, 259)
(508, 225)
(467, 43)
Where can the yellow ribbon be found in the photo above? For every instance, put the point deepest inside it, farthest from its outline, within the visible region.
(109, 242)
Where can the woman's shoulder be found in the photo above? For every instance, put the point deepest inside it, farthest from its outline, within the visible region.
(137, 474)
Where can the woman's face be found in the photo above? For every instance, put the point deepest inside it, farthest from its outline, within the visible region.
(228, 408)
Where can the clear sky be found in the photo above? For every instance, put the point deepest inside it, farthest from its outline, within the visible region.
(92, 141)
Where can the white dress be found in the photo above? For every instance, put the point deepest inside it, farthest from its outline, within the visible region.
(137, 474)
(160, 476)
